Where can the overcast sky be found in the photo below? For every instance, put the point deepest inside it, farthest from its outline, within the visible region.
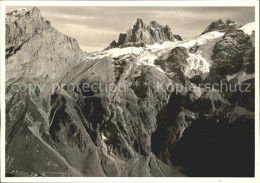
(96, 27)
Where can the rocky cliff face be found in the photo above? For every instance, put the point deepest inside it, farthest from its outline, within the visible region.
(142, 34)
(42, 51)
(229, 53)
(142, 126)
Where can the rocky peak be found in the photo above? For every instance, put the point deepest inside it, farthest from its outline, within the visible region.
(143, 34)
(22, 24)
(35, 12)
(28, 36)
(16, 12)
(154, 24)
(139, 24)
(221, 26)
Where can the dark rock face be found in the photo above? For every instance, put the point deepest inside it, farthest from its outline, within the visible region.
(203, 144)
(178, 37)
(176, 60)
(67, 130)
(141, 129)
(249, 60)
(220, 26)
(142, 34)
(229, 53)
(194, 48)
(234, 55)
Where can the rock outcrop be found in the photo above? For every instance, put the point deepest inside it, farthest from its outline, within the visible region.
(220, 26)
(42, 51)
(229, 54)
(142, 34)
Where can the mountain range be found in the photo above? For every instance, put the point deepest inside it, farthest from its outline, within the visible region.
(143, 129)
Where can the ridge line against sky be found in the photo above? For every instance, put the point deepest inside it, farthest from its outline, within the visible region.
(96, 27)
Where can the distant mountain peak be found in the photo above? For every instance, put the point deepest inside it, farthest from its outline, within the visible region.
(221, 26)
(142, 34)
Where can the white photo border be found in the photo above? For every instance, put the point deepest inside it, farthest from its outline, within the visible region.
(220, 3)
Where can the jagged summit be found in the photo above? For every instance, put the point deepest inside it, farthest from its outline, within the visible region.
(18, 13)
(221, 26)
(142, 34)
(22, 24)
(139, 24)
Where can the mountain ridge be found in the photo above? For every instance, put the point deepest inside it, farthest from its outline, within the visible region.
(142, 34)
(24, 29)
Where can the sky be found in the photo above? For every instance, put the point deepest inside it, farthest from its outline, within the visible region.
(96, 27)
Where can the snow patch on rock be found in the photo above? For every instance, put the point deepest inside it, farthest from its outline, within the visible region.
(199, 40)
(196, 64)
(248, 28)
(240, 76)
(148, 54)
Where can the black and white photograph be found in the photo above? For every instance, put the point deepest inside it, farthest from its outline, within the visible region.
(129, 91)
